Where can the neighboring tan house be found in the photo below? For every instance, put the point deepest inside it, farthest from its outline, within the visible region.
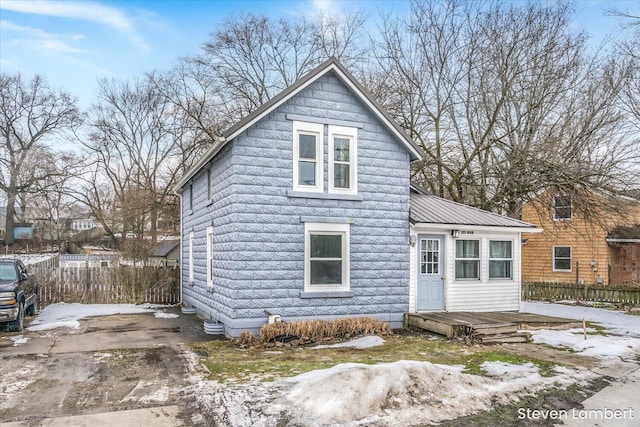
(572, 249)
(304, 210)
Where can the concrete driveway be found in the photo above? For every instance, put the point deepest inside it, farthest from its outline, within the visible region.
(131, 370)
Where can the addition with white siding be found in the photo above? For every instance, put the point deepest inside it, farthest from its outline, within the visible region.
(463, 258)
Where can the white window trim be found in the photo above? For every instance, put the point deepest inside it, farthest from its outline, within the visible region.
(352, 134)
(209, 183)
(555, 216)
(478, 260)
(327, 228)
(318, 130)
(210, 256)
(489, 259)
(553, 259)
(191, 268)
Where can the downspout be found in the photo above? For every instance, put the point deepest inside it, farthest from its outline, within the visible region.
(181, 248)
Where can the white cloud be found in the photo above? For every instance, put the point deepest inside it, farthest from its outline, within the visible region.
(37, 39)
(81, 10)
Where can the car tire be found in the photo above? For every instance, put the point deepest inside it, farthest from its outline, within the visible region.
(32, 310)
(18, 324)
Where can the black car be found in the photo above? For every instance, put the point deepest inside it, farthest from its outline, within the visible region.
(18, 295)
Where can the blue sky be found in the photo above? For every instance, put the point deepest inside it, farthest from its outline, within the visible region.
(73, 43)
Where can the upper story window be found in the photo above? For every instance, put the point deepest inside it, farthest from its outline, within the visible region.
(500, 259)
(468, 259)
(562, 207)
(343, 173)
(562, 258)
(209, 183)
(307, 156)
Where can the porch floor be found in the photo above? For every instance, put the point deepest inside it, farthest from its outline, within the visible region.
(488, 328)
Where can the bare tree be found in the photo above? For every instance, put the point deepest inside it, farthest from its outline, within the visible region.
(32, 115)
(506, 101)
(135, 160)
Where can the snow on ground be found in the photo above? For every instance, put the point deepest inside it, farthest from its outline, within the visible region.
(163, 315)
(388, 394)
(622, 330)
(359, 343)
(29, 259)
(18, 340)
(63, 315)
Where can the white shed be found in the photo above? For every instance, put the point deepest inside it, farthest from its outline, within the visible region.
(463, 258)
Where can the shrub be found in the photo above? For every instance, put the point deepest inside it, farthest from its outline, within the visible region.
(318, 330)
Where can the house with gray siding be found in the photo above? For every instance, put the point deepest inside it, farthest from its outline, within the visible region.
(302, 210)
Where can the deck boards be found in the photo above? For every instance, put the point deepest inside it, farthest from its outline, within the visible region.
(486, 327)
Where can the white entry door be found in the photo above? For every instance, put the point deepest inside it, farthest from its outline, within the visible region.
(430, 272)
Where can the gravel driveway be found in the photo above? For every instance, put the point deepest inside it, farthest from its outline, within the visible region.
(114, 370)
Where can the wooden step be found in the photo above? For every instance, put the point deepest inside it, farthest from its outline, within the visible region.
(502, 338)
(495, 328)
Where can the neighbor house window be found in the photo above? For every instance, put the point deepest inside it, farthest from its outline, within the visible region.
(562, 207)
(562, 258)
(191, 270)
(210, 256)
(209, 183)
(343, 173)
(307, 156)
(191, 197)
(468, 259)
(500, 259)
(326, 257)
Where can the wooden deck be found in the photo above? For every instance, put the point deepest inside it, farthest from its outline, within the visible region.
(493, 327)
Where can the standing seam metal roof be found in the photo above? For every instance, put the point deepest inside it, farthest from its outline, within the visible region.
(429, 209)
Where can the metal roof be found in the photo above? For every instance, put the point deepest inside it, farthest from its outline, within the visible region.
(429, 209)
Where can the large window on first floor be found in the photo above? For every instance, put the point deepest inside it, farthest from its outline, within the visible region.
(326, 257)
(562, 258)
(500, 259)
(468, 259)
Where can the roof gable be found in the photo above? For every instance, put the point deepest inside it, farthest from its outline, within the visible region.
(330, 65)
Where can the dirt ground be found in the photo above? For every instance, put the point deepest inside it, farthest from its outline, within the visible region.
(113, 363)
(114, 368)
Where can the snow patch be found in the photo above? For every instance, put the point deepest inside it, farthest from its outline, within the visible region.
(19, 340)
(622, 330)
(163, 315)
(68, 315)
(359, 343)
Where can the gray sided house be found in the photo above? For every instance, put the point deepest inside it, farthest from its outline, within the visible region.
(301, 210)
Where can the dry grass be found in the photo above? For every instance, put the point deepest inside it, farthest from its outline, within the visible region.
(318, 330)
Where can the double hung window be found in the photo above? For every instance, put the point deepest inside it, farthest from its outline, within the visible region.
(326, 257)
(562, 258)
(307, 156)
(468, 259)
(343, 160)
(500, 259)
(210, 256)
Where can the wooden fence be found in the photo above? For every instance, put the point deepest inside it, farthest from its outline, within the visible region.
(548, 291)
(105, 285)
